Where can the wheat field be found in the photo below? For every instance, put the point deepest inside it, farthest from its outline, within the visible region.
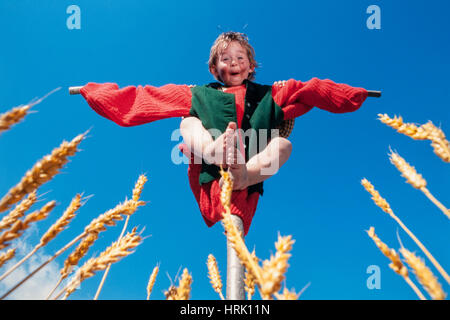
(265, 276)
(424, 275)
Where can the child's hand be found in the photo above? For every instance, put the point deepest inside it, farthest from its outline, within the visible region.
(280, 83)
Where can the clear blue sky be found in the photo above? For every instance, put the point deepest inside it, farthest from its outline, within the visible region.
(316, 197)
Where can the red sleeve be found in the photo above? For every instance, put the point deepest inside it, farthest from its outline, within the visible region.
(131, 106)
(297, 98)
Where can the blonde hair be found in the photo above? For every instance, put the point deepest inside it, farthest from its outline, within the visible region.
(222, 42)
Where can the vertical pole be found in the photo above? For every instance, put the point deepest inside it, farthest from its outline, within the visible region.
(235, 270)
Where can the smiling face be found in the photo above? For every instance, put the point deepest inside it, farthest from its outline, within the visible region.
(232, 66)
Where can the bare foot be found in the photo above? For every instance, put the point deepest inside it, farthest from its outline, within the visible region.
(216, 152)
(236, 162)
(239, 176)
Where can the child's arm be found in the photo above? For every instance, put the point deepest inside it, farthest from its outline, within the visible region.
(132, 106)
(297, 98)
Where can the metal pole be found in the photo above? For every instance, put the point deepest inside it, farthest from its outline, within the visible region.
(374, 93)
(371, 93)
(74, 90)
(235, 270)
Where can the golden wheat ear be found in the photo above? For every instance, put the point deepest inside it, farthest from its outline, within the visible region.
(12, 117)
(214, 275)
(19, 227)
(384, 205)
(5, 256)
(250, 280)
(151, 281)
(426, 278)
(51, 233)
(415, 179)
(43, 171)
(112, 254)
(396, 264)
(17, 114)
(184, 287)
(275, 268)
(18, 212)
(135, 202)
(427, 131)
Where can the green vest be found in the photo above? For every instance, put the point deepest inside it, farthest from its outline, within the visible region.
(216, 109)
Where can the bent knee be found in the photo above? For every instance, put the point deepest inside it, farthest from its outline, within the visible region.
(285, 146)
(187, 122)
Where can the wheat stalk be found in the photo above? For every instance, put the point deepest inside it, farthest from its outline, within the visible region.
(408, 172)
(275, 268)
(287, 295)
(52, 232)
(424, 275)
(235, 237)
(15, 115)
(379, 201)
(231, 231)
(112, 254)
(227, 188)
(171, 293)
(88, 238)
(57, 254)
(10, 118)
(183, 291)
(214, 275)
(291, 295)
(93, 229)
(63, 221)
(439, 142)
(20, 226)
(139, 186)
(427, 131)
(19, 211)
(415, 179)
(5, 256)
(269, 277)
(409, 129)
(184, 287)
(396, 264)
(384, 205)
(78, 254)
(151, 281)
(249, 279)
(43, 171)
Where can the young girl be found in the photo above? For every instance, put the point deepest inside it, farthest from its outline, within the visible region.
(243, 115)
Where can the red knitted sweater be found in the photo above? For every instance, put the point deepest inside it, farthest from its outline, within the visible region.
(131, 106)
